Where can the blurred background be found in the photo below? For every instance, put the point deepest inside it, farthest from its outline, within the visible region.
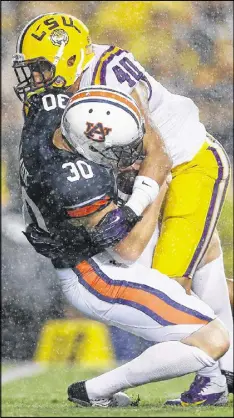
(188, 47)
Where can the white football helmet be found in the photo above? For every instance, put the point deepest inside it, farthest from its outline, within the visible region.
(105, 126)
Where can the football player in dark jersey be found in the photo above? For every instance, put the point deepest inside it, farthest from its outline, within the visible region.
(53, 198)
(68, 180)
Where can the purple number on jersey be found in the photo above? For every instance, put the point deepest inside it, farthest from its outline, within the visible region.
(131, 69)
(136, 74)
(122, 76)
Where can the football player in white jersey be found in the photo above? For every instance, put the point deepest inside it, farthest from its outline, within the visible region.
(57, 47)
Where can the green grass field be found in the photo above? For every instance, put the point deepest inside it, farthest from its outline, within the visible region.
(45, 395)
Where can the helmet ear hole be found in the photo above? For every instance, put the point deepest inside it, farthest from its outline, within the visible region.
(71, 61)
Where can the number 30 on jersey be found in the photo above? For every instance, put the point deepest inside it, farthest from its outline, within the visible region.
(78, 169)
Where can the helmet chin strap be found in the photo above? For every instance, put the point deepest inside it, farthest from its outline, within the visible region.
(80, 64)
(59, 53)
(76, 85)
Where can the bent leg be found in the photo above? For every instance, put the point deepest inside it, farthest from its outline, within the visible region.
(140, 300)
(209, 283)
(151, 305)
(160, 362)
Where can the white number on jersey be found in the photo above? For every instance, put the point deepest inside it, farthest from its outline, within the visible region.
(78, 169)
(50, 101)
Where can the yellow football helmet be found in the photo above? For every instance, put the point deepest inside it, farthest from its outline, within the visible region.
(56, 46)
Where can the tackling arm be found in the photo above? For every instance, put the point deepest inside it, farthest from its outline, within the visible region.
(157, 163)
(84, 237)
(131, 247)
(154, 168)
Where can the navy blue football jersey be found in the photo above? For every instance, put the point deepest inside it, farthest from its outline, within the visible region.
(58, 185)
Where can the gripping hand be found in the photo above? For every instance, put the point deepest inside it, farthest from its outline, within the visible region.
(43, 242)
(113, 227)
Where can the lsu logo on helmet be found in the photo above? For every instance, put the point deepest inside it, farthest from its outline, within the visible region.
(58, 36)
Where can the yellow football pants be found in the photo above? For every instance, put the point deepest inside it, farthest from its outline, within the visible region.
(192, 207)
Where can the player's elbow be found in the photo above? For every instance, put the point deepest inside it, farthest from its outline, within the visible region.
(129, 252)
(167, 163)
(155, 150)
(163, 166)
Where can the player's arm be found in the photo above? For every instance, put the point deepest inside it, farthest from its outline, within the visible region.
(146, 187)
(106, 227)
(157, 163)
(123, 72)
(131, 247)
(86, 235)
(99, 231)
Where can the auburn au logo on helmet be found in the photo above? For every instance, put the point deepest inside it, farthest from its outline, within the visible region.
(97, 132)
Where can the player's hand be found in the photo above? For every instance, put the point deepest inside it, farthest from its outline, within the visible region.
(125, 180)
(64, 251)
(113, 227)
(43, 242)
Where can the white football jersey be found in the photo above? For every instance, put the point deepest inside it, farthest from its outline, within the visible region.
(175, 116)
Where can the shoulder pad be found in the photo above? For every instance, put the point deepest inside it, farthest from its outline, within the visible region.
(117, 68)
(35, 101)
(81, 187)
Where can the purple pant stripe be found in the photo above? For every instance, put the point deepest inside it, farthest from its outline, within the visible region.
(121, 301)
(209, 217)
(152, 291)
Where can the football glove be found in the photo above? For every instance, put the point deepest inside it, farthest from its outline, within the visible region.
(65, 249)
(73, 244)
(113, 227)
(43, 242)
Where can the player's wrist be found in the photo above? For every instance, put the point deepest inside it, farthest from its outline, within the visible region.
(145, 191)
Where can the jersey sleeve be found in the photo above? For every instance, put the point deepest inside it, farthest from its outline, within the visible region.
(118, 68)
(46, 100)
(43, 119)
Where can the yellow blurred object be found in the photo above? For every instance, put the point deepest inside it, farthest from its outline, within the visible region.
(30, 9)
(5, 191)
(181, 10)
(188, 60)
(80, 341)
(205, 77)
(157, 47)
(133, 17)
(128, 16)
(224, 59)
(141, 48)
